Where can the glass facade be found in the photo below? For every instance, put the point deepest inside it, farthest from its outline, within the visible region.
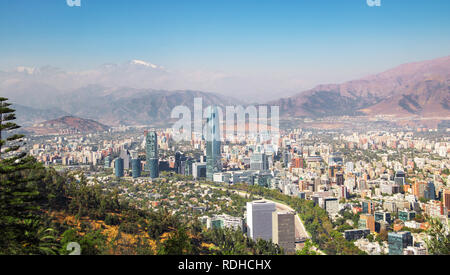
(152, 157)
(367, 207)
(263, 180)
(430, 192)
(356, 234)
(178, 157)
(398, 241)
(383, 216)
(188, 168)
(125, 155)
(406, 215)
(107, 162)
(136, 168)
(212, 135)
(259, 161)
(118, 167)
(217, 223)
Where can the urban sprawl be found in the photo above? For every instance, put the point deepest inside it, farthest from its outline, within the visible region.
(379, 187)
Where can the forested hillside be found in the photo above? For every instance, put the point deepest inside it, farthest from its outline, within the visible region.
(42, 211)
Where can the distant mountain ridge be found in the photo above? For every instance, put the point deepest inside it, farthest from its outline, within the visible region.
(414, 89)
(120, 106)
(429, 98)
(420, 88)
(27, 116)
(68, 124)
(135, 106)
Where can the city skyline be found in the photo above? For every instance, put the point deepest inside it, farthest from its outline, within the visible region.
(225, 128)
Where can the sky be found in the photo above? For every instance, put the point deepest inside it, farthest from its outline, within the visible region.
(274, 46)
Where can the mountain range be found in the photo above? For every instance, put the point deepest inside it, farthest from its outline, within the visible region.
(419, 89)
(67, 124)
(122, 106)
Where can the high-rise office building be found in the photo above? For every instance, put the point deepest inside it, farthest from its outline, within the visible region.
(400, 174)
(118, 167)
(419, 189)
(400, 180)
(335, 163)
(283, 230)
(406, 215)
(259, 161)
(297, 162)
(446, 198)
(343, 192)
(398, 241)
(259, 219)
(331, 205)
(151, 144)
(340, 178)
(164, 165)
(367, 207)
(107, 162)
(430, 191)
(180, 164)
(367, 221)
(177, 164)
(212, 136)
(424, 190)
(188, 167)
(125, 155)
(382, 216)
(355, 234)
(198, 170)
(287, 158)
(226, 221)
(136, 168)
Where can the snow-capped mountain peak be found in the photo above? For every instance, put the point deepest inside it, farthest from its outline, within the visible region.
(143, 63)
(23, 69)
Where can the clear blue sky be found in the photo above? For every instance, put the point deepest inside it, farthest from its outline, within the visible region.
(229, 35)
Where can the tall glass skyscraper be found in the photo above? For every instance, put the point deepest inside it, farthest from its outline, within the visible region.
(398, 241)
(118, 167)
(125, 155)
(136, 168)
(430, 191)
(151, 144)
(178, 159)
(259, 219)
(212, 136)
(107, 162)
(259, 161)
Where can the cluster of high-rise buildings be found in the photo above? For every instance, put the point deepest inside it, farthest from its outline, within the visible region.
(389, 179)
(265, 222)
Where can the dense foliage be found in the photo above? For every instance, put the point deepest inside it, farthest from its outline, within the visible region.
(63, 213)
(42, 212)
(439, 241)
(315, 219)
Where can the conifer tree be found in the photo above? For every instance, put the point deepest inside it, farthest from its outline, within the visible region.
(18, 192)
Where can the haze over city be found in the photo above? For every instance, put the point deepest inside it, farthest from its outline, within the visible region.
(254, 50)
(225, 128)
